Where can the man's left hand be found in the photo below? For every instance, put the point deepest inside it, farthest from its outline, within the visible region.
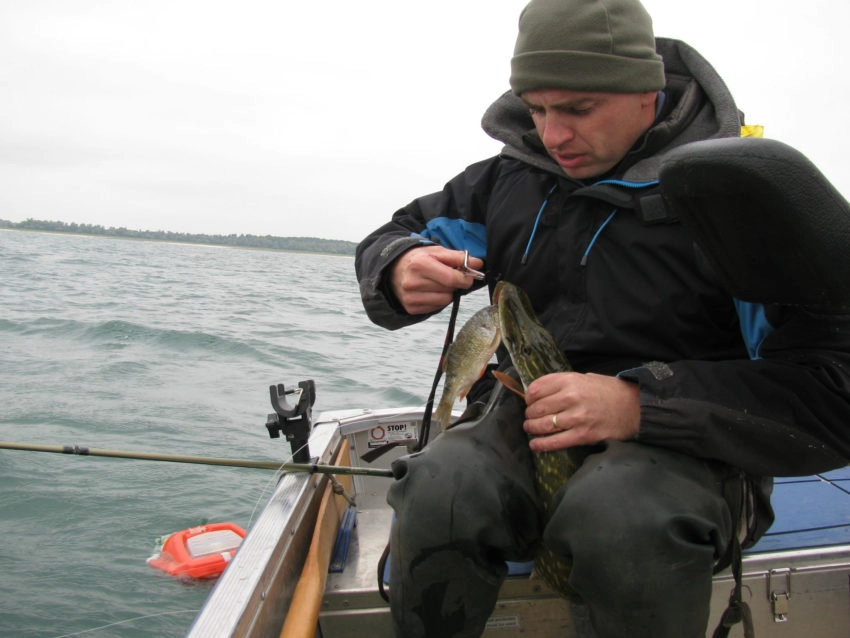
(572, 408)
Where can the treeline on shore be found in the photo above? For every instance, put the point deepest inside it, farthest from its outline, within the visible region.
(299, 244)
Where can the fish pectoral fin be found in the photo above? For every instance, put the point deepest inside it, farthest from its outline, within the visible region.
(510, 383)
(462, 394)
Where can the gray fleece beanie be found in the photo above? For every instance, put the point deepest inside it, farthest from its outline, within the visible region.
(586, 45)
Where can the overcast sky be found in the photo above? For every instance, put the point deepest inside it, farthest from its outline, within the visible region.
(322, 118)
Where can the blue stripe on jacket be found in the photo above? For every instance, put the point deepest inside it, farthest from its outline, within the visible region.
(457, 234)
(754, 325)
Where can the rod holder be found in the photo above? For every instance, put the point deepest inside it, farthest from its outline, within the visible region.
(294, 421)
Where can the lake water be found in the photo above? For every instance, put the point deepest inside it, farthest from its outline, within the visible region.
(163, 348)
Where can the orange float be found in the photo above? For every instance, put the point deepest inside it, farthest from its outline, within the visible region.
(199, 552)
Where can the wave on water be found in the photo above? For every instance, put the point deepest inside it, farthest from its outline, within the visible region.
(117, 334)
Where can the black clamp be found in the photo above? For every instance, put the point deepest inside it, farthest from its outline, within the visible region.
(295, 422)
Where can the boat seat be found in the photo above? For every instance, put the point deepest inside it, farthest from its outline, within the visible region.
(772, 226)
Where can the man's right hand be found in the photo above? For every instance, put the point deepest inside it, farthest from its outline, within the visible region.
(424, 278)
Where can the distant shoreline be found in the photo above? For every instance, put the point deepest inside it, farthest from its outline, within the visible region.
(261, 242)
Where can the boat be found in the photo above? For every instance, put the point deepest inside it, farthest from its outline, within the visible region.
(796, 580)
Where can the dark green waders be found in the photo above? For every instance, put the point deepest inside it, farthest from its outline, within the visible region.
(645, 527)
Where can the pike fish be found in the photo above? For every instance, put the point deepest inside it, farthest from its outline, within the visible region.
(535, 353)
(467, 358)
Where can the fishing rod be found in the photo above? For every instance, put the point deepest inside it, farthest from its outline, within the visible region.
(310, 468)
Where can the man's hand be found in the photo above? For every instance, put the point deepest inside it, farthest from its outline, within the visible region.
(587, 408)
(424, 279)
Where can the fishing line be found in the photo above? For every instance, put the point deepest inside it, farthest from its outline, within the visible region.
(429, 406)
(123, 622)
(269, 484)
(266, 488)
(832, 483)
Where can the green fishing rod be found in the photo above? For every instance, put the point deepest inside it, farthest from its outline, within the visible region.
(310, 468)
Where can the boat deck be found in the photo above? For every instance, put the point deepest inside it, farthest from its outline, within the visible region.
(796, 579)
(812, 511)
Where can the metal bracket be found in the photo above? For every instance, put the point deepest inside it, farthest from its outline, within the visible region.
(293, 421)
(780, 593)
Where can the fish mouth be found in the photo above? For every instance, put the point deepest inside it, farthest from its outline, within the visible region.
(532, 348)
(513, 302)
(500, 288)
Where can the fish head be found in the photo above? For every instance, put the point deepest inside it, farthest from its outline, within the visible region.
(533, 349)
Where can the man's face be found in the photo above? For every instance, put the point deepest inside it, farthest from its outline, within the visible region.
(589, 133)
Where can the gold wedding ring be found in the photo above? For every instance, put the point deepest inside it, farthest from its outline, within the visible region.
(555, 422)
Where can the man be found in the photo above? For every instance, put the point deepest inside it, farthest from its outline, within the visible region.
(685, 396)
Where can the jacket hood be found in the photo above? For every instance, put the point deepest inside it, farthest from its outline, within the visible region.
(698, 106)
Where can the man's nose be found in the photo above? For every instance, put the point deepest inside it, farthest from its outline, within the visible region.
(556, 132)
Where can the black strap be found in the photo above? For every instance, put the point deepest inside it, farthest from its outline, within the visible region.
(382, 566)
(736, 491)
(737, 611)
(429, 406)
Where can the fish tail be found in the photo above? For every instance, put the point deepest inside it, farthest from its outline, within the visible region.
(443, 413)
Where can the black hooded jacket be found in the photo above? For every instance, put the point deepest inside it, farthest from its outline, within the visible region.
(621, 285)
